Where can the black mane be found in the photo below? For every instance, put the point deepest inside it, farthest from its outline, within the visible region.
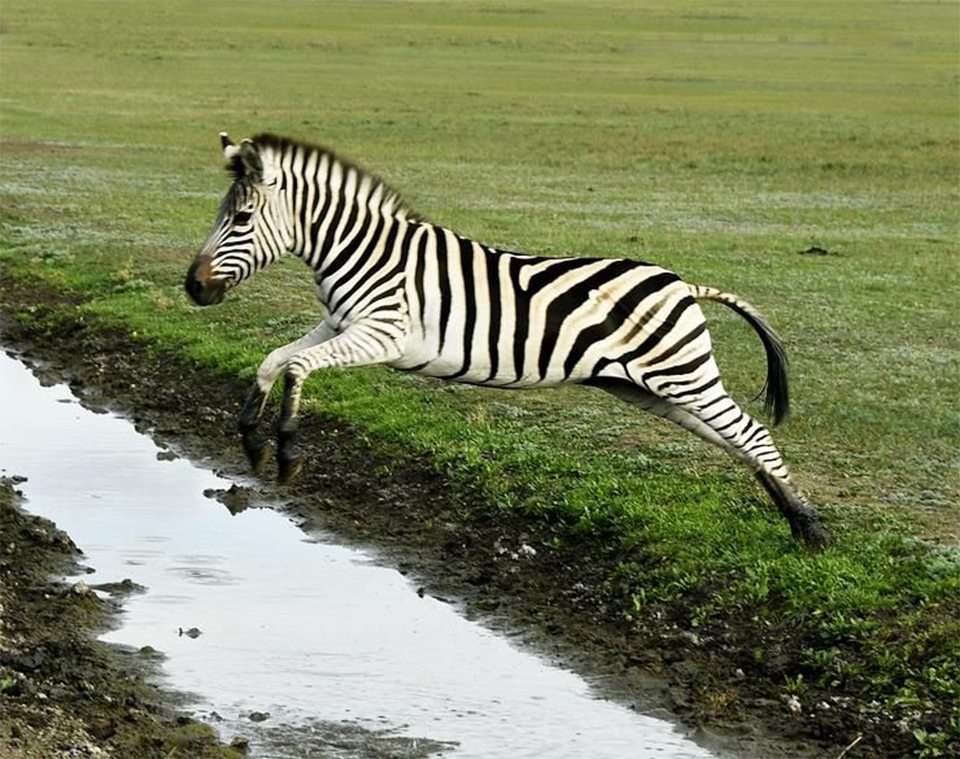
(280, 144)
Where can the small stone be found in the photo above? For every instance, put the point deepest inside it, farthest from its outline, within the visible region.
(690, 637)
(258, 716)
(528, 550)
(81, 589)
(793, 704)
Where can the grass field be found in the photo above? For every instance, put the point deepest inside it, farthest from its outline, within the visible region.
(717, 139)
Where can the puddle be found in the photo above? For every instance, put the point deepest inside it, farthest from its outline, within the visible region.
(300, 645)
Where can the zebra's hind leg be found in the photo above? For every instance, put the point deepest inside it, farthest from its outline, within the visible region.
(720, 421)
(804, 522)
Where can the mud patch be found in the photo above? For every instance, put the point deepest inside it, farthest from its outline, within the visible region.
(343, 741)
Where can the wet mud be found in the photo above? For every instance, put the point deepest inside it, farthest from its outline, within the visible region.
(456, 546)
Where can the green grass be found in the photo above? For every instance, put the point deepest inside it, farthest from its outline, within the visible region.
(716, 139)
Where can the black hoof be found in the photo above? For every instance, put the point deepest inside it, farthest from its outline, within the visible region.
(257, 450)
(815, 537)
(288, 468)
(258, 458)
(807, 528)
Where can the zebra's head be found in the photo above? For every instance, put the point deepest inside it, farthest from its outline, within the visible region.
(249, 231)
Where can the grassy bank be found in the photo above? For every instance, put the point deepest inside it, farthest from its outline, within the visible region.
(720, 141)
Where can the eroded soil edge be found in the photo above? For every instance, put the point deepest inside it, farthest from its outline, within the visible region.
(559, 600)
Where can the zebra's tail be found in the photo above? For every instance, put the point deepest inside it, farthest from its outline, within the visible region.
(777, 388)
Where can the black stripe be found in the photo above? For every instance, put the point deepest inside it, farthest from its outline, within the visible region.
(621, 310)
(568, 301)
(418, 275)
(521, 315)
(416, 368)
(359, 259)
(400, 265)
(443, 277)
(688, 338)
(687, 368)
(658, 334)
(557, 268)
(320, 247)
(295, 184)
(353, 243)
(723, 427)
(469, 296)
(365, 285)
(491, 261)
(694, 391)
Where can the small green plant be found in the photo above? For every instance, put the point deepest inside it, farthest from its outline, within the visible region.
(796, 685)
(931, 744)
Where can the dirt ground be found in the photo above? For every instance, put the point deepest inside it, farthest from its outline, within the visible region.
(456, 547)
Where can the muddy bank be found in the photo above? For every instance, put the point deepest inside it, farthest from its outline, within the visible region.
(564, 600)
(61, 692)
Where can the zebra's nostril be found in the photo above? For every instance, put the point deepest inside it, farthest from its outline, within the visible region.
(194, 286)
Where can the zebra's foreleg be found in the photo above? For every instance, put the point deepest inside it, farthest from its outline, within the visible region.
(361, 344)
(289, 458)
(255, 442)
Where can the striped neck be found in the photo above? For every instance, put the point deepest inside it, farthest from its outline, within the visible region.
(330, 202)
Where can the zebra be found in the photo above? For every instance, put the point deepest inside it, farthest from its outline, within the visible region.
(398, 290)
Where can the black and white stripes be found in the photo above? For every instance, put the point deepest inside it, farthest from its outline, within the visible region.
(400, 291)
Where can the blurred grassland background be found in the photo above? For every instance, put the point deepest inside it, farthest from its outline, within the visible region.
(717, 139)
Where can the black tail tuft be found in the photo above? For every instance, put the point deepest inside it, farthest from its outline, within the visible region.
(777, 401)
(777, 387)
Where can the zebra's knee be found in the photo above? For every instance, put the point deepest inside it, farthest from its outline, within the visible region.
(270, 369)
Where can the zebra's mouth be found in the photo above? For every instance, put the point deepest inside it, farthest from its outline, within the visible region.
(204, 290)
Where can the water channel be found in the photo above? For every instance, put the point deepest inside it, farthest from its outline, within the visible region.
(333, 653)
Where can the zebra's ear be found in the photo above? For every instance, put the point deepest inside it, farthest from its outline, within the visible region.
(229, 149)
(250, 159)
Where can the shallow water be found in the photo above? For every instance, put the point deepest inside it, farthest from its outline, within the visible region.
(340, 652)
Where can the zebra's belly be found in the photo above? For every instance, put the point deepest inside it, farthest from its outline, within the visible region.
(482, 373)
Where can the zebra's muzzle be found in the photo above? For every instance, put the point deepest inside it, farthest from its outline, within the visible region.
(204, 290)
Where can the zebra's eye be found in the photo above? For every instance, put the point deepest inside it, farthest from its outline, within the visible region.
(242, 217)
